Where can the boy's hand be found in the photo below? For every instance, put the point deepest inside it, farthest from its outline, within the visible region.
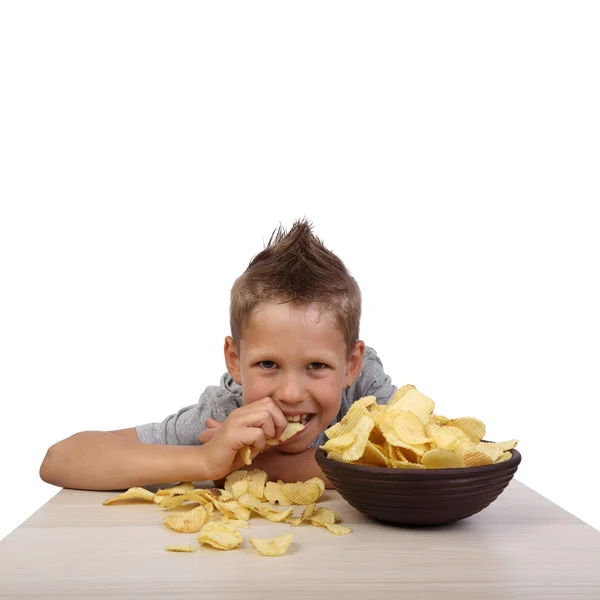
(249, 425)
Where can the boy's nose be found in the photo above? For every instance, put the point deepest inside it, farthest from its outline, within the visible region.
(290, 391)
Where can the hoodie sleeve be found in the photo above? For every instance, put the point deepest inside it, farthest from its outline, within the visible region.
(183, 427)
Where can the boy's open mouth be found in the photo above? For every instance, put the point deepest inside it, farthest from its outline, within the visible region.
(301, 418)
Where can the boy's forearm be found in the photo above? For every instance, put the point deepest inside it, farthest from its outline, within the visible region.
(290, 467)
(98, 460)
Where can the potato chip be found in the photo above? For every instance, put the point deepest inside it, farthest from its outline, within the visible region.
(167, 502)
(415, 402)
(274, 546)
(181, 488)
(306, 513)
(233, 509)
(385, 421)
(505, 456)
(276, 516)
(335, 455)
(274, 493)
(239, 523)
(400, 393)
(318, 482)
(187, 522)
(340, 442)
(442, 459)
(409, 428)
(291, 429)
(476, 459)
(246, 454)
(323, 516)
(373, 456)
(134, 493)
(445, 437)
(222, 536)
(257, 480)
(239, 488)
(474, 428)
(301, 493)
(366, 401)
(180, 548)
(492, 449)
(509, 445)
(338, 529)
(350, 421)
(403, 464)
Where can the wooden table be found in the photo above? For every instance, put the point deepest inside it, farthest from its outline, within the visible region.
(522, 546)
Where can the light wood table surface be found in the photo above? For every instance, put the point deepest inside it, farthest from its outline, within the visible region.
(521, 546)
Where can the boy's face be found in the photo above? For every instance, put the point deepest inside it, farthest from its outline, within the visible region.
(297, 358)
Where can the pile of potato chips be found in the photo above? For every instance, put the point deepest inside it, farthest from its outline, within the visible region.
(406, 434)
(245, 493)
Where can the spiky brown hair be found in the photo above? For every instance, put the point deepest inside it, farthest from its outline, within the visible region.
(296, 267)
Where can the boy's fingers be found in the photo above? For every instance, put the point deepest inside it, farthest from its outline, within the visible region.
(261, 418)
(279, 419)
(207, 435)
(213, 423)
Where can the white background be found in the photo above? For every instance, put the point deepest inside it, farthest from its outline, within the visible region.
(448, 152)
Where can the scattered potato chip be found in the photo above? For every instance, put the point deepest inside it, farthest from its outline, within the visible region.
(223, 536)
(274, 546)
(181, 488)
(337, 529)
(276, 516)
(134, 493)
(239, 488)
(323, 516)
(239, 523)
(175, 501)
(274, 493)
(306, 513)
(301, 493)
(257, 480)
(232, 509)
(187, 522)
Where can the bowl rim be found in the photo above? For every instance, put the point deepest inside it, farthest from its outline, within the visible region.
(514, 460)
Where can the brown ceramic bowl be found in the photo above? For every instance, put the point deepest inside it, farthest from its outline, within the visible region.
(419, 497)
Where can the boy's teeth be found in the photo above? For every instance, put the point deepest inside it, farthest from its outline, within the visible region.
(298, 419)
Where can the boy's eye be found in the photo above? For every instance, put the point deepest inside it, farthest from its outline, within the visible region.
(317, 366)
(267, 364)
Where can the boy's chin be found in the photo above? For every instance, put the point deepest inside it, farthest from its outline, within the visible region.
(293, 448)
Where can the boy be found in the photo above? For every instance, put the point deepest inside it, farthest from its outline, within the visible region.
(293, 355)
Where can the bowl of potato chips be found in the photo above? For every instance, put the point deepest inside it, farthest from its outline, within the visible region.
(401, 463)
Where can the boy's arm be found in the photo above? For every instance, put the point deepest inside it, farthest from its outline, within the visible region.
(101, 460)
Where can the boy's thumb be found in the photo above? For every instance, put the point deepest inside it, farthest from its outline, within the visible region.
(213, 424)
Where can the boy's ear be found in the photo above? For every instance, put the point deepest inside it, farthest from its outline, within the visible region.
(354, 364)
(232, 359)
